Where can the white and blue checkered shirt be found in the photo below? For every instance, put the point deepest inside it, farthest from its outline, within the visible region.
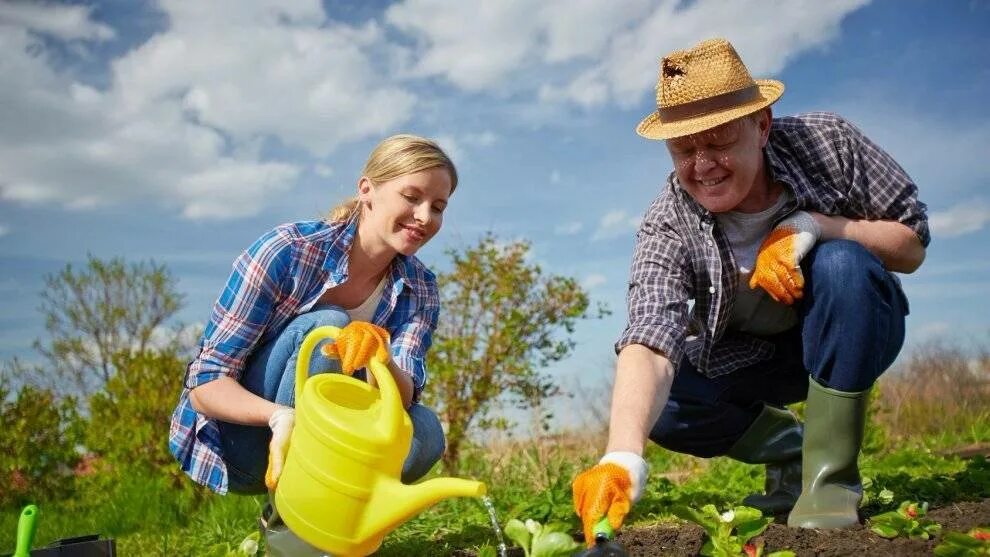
(681, 255)
(282, 273)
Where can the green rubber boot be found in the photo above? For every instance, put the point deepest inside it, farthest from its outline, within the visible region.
(833, 434)
(773, 439)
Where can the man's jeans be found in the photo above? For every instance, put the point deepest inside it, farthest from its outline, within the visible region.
(851, 329)
(271, 374)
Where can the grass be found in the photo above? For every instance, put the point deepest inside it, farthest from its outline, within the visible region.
(939, 399)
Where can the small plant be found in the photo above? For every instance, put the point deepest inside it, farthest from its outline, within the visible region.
(537, 540)
(907, 521)
(971, 544)
(247, 548)
(728, 532)
(756, 550)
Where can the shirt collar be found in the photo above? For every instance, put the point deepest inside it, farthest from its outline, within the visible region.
(337, 261)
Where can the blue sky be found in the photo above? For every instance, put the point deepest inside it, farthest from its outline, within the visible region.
(181, 131)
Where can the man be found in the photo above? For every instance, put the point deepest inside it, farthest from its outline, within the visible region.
(784, 233)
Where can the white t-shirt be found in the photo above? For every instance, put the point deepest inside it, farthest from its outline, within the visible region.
(366, 311)
(754, 311)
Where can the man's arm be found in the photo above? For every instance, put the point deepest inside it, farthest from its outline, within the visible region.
(642, 386)
(895, 244)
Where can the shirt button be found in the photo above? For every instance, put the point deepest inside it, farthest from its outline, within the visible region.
(711, 289)
(711, 243)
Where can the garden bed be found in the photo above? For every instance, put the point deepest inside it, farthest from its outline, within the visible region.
(686, 540)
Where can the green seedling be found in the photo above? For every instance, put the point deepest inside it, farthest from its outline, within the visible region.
(728, 532)
(974, 543)
(537, 540)
(247, 548)
(756, 550)
(907, 521)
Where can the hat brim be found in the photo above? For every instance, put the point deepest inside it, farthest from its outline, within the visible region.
(653, 128)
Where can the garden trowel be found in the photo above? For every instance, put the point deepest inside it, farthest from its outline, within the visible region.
(605, 544)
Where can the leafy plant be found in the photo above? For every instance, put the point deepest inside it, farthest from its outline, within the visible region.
(247, 548)
(756, 550)
(907, 521)
(541, 541)
(728, 532)
(971, 544)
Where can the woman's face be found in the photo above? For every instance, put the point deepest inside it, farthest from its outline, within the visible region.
(721, 168)
(406, 212)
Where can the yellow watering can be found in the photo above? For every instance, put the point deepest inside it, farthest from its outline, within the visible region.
(340, 489)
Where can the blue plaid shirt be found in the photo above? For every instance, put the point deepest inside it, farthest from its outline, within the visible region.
(283, 272)
(682, 255)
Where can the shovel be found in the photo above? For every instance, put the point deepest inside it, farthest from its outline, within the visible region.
(25, 531)
(605, 544)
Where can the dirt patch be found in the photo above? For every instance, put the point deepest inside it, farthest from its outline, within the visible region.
(687, 540)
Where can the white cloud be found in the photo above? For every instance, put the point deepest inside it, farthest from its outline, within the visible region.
(568, 228)
(555, 176)
(960, 219)
(615, 223)
(486, 138)
(323, 170)
(594, 52)
(62, 21)
(593, 280)
(4, 231)
(190, 107)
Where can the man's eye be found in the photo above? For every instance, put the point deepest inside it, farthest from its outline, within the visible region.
(408, 197)
(439, 208)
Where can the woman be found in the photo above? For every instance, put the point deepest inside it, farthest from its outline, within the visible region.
(236, 412)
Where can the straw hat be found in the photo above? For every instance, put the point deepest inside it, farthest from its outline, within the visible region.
(704, 87)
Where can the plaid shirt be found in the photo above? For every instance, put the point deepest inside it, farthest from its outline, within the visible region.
(277, 278)
(682, 255)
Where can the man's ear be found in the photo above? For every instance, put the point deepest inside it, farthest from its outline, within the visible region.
(765, 120)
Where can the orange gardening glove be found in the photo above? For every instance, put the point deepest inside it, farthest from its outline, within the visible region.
(778, 262)
(356, 344)
(608, 489)
(281, 421)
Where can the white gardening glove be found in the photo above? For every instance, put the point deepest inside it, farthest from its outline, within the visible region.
(778, 263)
(281, 421)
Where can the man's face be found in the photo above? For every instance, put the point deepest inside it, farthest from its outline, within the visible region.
(722, 168)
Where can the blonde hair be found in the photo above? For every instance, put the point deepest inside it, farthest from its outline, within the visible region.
(396, 156)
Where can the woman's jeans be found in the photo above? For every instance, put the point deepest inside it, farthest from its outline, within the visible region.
(851, 329)
(271, 374)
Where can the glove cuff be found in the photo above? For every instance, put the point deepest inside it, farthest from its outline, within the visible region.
(282, 413)
(634, 465)
(803, 221)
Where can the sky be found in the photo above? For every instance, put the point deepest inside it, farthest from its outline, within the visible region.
(179, 131)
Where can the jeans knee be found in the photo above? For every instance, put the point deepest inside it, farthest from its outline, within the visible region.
(842, 261)
(324, 316)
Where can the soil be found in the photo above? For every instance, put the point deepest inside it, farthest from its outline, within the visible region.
(687, 540)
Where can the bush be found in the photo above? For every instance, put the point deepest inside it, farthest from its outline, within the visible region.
(38, 448)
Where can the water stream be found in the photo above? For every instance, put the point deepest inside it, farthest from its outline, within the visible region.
(487, 502)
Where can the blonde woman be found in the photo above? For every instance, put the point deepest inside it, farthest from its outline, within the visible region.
(356, 270)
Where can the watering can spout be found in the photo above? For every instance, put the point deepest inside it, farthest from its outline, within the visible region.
(394, 502)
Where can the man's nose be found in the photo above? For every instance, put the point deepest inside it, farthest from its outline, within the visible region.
(703, 162)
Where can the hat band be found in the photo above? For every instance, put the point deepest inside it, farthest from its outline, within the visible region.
(708, 105)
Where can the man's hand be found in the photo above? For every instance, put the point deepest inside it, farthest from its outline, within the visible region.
(608, 489)
(356, 344)
(778, 263)
(281, 421)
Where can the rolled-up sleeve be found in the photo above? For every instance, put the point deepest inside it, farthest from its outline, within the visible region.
(658, 292)
(411, 339)
(878, 184)
(241, 313)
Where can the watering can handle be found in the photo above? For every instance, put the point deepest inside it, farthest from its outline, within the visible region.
(391, 400)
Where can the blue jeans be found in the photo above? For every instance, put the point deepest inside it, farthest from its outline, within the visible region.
(271, 374)
(851, 329)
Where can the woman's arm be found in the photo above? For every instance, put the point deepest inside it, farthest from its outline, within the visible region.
(226, 399)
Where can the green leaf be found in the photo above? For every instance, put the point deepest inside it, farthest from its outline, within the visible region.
(884, 530)
(516, 531)
(747, 530)
(553, 544)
